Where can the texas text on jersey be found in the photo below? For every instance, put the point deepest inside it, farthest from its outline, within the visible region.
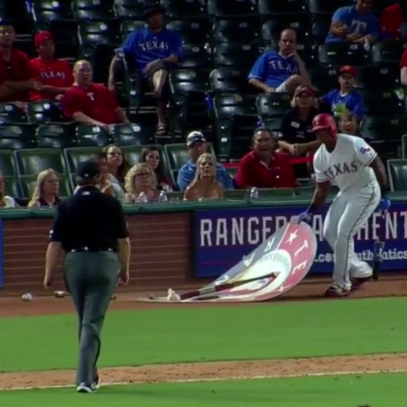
(347, 166)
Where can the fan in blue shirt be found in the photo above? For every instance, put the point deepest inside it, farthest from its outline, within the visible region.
(281, 71)
(196, 144)
(155, 50)
(345, 99)
(356, 24)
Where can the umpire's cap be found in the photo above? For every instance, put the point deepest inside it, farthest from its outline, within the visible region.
(87, 170)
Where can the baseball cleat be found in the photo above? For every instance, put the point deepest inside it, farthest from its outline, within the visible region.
(357, 283)
(96, 383)
(86, 388)
(335, 291)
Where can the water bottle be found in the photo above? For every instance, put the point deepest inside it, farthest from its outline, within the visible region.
(254, 193)
(366, 45)
(142, 198)
(163, 197)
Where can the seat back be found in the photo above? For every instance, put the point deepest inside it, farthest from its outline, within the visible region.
(7, 163)
(33, 161)
(228, 80)
(272, 105)
(73, 156)
(185, 9)
(230, 55)
(11, 114)
(132, 135)
(92, 136)
(233, 105)
(56, 136)
(44, 111)
(339, 54)
(273, 7)
(191, 31)
(234, 30)
(15, 137)
(86, 10)
(231, 8)
(397, 170)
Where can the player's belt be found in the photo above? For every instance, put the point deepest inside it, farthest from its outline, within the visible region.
(91, 249)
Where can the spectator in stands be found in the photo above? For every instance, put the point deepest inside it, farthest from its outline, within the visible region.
(106, 186)
(141, 184)
(196, 144)
(403, 68)
(6, 201)
(54, 75)
(356, 24)
(16, 78)
(264, 167)
(204, 186)
(393, 22)
(117, 164)
(346, 98)
(280, 71)
(151, 156)
(46, 190)
(349, 124)
(155, 50)
(91, 103)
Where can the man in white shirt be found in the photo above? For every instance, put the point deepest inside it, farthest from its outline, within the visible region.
(355, 168)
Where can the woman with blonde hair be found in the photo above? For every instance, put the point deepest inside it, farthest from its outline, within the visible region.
(46, 190)
(6, 201)
(141, 184)
(205, 185)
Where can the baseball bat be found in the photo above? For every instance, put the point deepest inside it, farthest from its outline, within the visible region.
(222, 287)
(379, 246)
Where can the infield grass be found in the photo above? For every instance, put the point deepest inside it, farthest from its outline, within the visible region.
(266, 331)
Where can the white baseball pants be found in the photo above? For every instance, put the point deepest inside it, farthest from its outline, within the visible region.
(347, 214)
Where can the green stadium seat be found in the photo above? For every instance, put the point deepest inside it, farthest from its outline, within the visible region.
(44, 111)
(56, 136)
(133, 154)
(404, 146)
(175, 196)
(185, 9)
(272, 105)
(91, 10)
(231, 9)
(12, 187)
(266, 193)
(14, 137)
(27, 186)
(92, 136)
(33, 161)
(11, 114)
(397, 170)
(377, 102)
(236, 194)
(178, 154)
(73, 156)
(132, 135)
(96, 33)
(7, 163)
(45, 11)
(127, 27)
(128, 9)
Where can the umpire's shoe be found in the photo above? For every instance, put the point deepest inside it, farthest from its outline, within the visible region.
(335, 291)
(86, 388)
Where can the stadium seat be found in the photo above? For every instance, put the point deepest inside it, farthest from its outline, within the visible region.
(235, 119)
(97, 33)
(12, 187)
(320, 27)
(178, 154)
(45, 11)
(185, 9)
(377, 77)
(327, 7)
(132, 135)
(92, 136)
(100, 10)
(236, 194)
(100, 59)
(339, 54)
(127, 27)
(300, 23)
(397, 170)
(11, 114)
(128, 9)
(33, 161)
(228, 80)
(376, 102)
(15, 137)
(66, 37)
(273, 7)
(236, 30)
(44, 111)
(272, 105)
(191, 31)
(388, 53)
(196, 57)
(67, 51)
(18, 14)
(133, 154)
(28, 184)
(236, 55)
(231, 8)
(7, 163)
(404, 146)
(323, 78)
(73, 156)
(56, 136)
(270, 193)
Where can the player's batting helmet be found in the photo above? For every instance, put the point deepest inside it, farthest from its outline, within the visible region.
(325, 121)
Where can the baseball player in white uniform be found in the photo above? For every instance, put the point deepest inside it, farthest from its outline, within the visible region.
(355, 168)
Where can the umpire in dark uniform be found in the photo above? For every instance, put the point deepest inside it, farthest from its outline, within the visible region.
(90, 228)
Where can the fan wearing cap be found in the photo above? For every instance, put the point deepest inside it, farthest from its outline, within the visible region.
(91, 229)
(393, 22)
(155, 50)
(16, 77)
(346, 98)
(354, 24)
(90, 103)
(264, 167)
(355, 168)
(54, 75)
(196, 145)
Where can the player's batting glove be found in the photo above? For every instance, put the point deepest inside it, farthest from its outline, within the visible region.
(304, 217)
(384, 204)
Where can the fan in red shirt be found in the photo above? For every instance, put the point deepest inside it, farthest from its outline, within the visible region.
(16, 78)
(393, 21)
(264, 167)
(54, 75)
(91, 103)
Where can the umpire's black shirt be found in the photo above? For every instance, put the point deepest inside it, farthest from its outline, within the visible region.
(89, 220)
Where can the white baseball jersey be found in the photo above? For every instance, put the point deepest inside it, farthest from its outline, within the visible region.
(347, 166)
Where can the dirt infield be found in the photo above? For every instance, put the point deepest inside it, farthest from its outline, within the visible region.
(310, 290)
